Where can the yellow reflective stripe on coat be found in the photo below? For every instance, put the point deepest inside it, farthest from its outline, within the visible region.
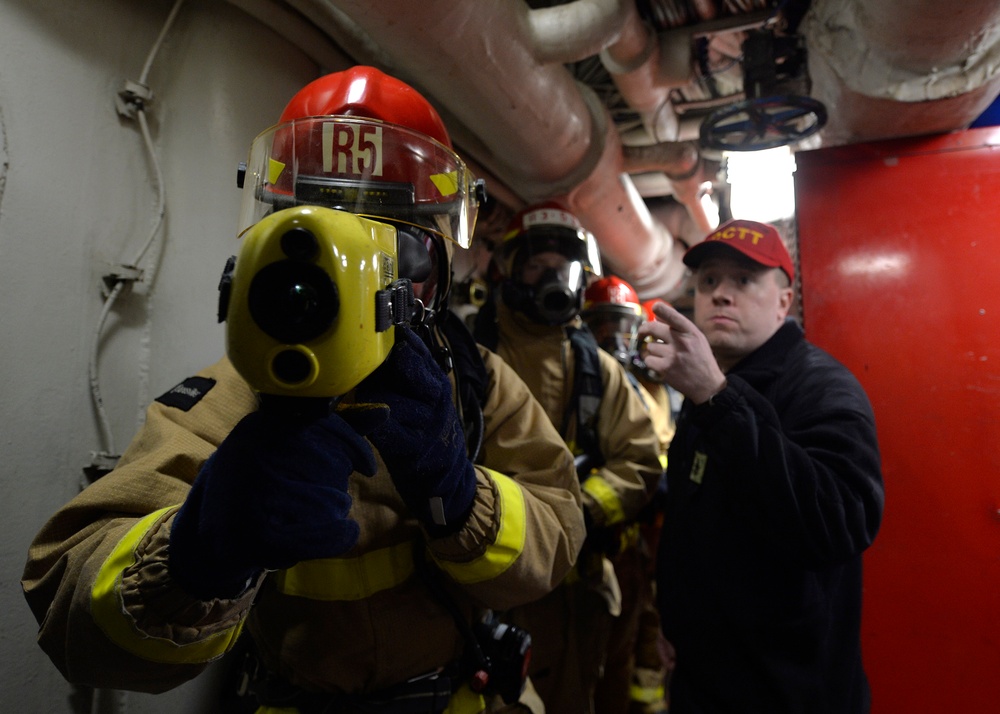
(509, 543)
(646, 695)
(605, 496)
(348, 579)
(331, 579)
(629, 536)
(463, 701)
(108, 610)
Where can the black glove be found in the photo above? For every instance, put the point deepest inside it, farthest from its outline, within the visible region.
(274, 493)
(422, 441)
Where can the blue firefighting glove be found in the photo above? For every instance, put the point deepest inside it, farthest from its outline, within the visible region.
(274, 493)
(422, 441)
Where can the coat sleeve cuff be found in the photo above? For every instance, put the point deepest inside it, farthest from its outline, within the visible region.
(719, 405)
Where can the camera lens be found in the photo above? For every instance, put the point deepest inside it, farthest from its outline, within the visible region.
(293, 301)
(299, 244)
(291, 367)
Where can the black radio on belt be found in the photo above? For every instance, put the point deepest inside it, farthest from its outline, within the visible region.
(506, 650)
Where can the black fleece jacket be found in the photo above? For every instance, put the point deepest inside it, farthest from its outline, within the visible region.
(774, 490)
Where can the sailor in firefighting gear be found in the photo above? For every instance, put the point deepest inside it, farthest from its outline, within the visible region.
(612, 311)
(661, 397)
(357, 549)
(545, 262)
(634, 673)
(655, 656)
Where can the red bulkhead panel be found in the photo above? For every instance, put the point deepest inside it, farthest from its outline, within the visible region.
(899, 244)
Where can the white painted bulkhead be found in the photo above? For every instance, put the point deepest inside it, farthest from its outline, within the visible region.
(78, 197)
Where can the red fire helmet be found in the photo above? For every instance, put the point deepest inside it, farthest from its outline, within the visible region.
(612, 293)
(364, 142)
(647, 308)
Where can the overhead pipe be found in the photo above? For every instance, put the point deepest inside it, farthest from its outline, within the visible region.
(636, 246)
(901, 67)
(536, 130)
(645, 67)
(674, 158)
(928, 36)
(684, 167)
(539, 131)
(689, 191)
(574, 31)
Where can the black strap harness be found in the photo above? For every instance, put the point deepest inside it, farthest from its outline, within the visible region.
(588, 385)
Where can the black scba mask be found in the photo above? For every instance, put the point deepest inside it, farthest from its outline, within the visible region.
(617, 347)
(637, 365)
(545, 267)
(414, 259)
(615, 330)
(551, 300)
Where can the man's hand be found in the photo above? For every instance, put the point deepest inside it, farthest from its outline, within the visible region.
(273, 494)
(681, 356)
(422, 442)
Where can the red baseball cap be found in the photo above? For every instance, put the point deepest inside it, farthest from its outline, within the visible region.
(760, 242)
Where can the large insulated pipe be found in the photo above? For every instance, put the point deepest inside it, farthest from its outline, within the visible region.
(927, 36)
(576, 30)
(643, 250)
(536, 130)
(495, 66)
(901, 67)
(645, 67)
(682, 163)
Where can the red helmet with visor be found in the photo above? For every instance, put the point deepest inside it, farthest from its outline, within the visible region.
(612, 311)
(367, 143)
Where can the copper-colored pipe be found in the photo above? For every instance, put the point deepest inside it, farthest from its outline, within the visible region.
(704, 8)
(539, 131)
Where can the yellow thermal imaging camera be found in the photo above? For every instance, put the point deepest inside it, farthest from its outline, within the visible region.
(310, 300)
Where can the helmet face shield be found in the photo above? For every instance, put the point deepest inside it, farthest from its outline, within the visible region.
(546, 260)
(547, 266)
(546, 285)
(615, 332)
(363, 166)
(578, 246)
